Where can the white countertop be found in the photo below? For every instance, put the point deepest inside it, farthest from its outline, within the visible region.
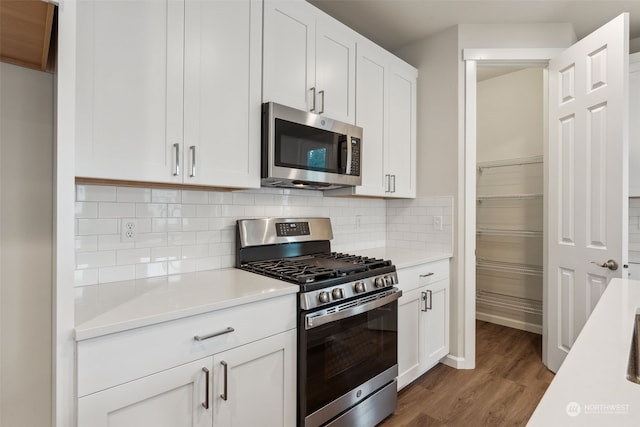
(591, 384)
(114, 307)
(403, 258)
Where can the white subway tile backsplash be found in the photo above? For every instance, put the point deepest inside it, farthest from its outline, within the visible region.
(97, 226)
(195, 197)
(159, 195)
(166, 253)
(151, 269)
(116, 209)
(133, 256)
(116, 274)
(191, 230)
(133, 194)
(151, 210)
(95, 193)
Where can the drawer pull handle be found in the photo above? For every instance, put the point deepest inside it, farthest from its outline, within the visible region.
(205, 404)
(215, 334)
(426, 275)
(224, 396)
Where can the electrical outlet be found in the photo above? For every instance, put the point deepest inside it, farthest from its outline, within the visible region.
(437, 223)
(128, 230)
(358, 222)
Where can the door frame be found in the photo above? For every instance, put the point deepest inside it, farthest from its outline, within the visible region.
(528, 57)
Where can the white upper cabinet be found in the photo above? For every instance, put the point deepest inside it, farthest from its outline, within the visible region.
(309, 60)
(129, 89)
(401, 147)
(169, 91)
(386, 111)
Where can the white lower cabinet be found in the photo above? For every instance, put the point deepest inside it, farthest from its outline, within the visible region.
(167, 399)
(423, 319)
(240, 375)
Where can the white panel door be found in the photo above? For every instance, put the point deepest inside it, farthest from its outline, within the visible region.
(170, 398)
(222, 96)
(434, 324)
(289, 53)
(335, 70)
(255, 384)
(634, 125)
(129, 89)
(588, 181)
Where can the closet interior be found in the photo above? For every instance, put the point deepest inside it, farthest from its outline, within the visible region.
(509, 181)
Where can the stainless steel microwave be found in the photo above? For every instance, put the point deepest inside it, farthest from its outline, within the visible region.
(306, 150)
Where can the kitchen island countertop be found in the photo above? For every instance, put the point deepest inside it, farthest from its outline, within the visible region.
(590, 388)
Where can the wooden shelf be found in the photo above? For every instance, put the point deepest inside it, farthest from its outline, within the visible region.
(25, 33)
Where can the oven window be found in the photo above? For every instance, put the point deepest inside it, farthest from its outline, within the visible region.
(304, 147)
(346, 353)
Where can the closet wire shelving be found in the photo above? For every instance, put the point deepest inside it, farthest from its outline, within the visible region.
(507, 304)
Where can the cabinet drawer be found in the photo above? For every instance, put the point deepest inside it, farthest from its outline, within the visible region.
(424, 274)
(113, 359)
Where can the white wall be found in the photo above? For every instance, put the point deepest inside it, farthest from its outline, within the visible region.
(26, 229)
(441, 140)
(509, 116)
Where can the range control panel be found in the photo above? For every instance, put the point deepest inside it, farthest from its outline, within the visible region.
(289, 229)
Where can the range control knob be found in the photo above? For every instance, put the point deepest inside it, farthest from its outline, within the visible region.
(337, 293)
(359, 287)
(379, 282)
(388, 281)
(323, 297)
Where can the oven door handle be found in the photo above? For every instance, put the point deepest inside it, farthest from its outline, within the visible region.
(313, 321)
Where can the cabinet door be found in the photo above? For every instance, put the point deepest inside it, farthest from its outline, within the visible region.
(434, 324)
(129, 89)
(335, 70)
(289, 53)
(167, 399)
(409, 306)
(401, 149)
(371, 116)
(260, 383)
(223, 60)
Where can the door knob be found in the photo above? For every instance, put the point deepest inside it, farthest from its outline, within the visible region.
(610, 264)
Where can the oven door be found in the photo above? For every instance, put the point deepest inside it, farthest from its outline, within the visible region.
(347, 352)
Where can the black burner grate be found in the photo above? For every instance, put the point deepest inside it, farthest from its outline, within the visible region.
(315, 267)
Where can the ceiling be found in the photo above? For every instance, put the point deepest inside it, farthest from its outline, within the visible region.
(395, 23)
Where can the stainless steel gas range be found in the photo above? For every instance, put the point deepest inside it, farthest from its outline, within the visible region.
(347, 319)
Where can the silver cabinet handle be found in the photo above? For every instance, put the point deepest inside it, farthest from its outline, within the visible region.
(176, 171)
(427, 275)
(313, 91)
(423, 296)
(610, 264)
(224, 395)
(215, 334)
(193, 161)
(387, 183)
(321, 108)
(427, 298)
(205, 404)
(394, 184)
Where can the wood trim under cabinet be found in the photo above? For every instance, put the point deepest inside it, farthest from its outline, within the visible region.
(125, 183)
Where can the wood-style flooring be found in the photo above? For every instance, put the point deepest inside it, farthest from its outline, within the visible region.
(503, 390)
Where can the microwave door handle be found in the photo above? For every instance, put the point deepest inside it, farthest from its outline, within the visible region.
(349, 156)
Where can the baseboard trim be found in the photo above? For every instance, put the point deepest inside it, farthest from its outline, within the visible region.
(457, 362)
(511, 323)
